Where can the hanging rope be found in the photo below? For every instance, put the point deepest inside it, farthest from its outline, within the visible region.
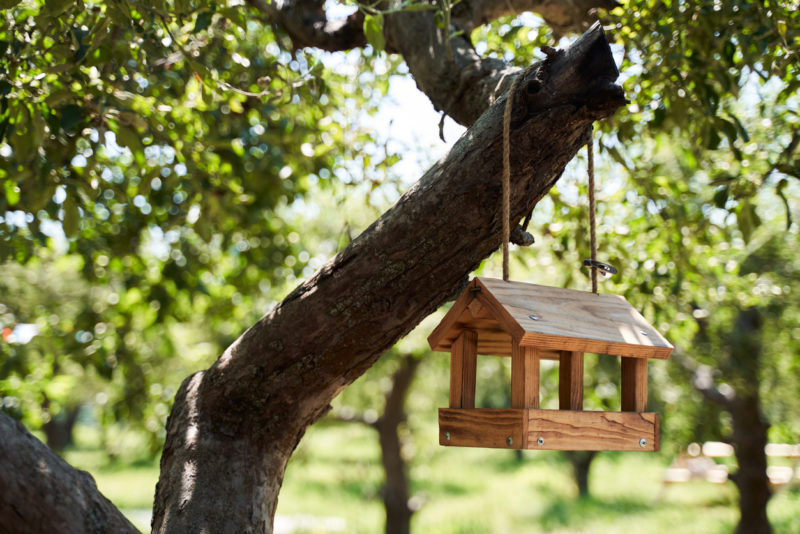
(592, 222)
(592, 263)
(507, 166)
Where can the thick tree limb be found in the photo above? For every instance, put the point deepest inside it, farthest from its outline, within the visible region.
(307, 24)
(42, 494)
(234, 426)
(464, 84)
(563, 17)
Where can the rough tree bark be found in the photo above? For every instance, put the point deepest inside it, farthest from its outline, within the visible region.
(42, 493)
(234, 426)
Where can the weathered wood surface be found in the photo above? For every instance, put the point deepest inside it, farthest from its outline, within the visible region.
(553, 318)
(463, 369)
(41, 494)
(633, 384)
(570, 381)
(559, 429)
(592, 431)
(524, 377)
(486, 427)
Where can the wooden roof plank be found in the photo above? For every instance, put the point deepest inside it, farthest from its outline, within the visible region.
(568, 319)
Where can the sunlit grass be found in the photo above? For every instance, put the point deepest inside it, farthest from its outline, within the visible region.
(334, 480)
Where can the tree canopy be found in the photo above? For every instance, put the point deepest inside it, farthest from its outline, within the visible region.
(171, 169)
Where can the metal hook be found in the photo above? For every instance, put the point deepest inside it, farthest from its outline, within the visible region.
(600, 266)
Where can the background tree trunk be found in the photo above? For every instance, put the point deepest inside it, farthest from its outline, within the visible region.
(749, 425)
(581, 461)
(58, 430)
(396, 491)
(233, 427)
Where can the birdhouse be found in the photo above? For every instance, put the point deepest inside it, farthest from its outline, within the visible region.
(530, 323)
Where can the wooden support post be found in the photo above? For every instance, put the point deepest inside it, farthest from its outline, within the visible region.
(634, 384)
(463, 368)
(524, 376)
(570, 380)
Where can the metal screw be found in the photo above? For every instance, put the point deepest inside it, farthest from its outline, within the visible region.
(534, 317)
(447, 436)
(643, 332)
(540, 441)
(643, 442)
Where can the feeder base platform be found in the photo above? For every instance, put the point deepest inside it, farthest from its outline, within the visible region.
(549, 429)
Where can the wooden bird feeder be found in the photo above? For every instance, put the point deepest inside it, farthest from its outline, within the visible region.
(530, 323)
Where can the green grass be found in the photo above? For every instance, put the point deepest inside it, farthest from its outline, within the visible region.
(336, 473)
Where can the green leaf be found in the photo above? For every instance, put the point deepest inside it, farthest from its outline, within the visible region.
(747, 220)
(72, 216)
(721, 197)
(203, 21)
(71, 117)
(373, 29)
(12, 192)
(129, 138)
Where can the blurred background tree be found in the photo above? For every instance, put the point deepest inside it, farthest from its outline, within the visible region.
(171, 169)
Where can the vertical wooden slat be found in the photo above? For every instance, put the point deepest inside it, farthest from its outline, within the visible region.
(634, 384)
(463, 365)
(570, 380)
(524, 376)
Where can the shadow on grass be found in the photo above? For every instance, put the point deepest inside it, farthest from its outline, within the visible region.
(578, 512)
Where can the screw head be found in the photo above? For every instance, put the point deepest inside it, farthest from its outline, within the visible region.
(540, 441)
(447, 436)
(534, 317)
(643, 442)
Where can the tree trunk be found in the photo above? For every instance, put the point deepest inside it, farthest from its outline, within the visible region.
(749, 425)
(581, 461)
(42, 494)
(234, 426)
(58, 430)
(395, 492)
(749, 440)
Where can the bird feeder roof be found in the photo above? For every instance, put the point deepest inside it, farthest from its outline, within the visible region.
(550, 318)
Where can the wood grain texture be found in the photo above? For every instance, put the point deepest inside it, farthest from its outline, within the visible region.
(463, 367)
(567, 319)
(633, 384)
(489, 428)
(524, 377)
(570, 381)
(592, 431)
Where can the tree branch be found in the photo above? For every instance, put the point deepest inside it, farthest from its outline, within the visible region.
(703, 380)
(563, 17)
(245, 415)
(307, 24)
(464, 85)
(42, 493)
